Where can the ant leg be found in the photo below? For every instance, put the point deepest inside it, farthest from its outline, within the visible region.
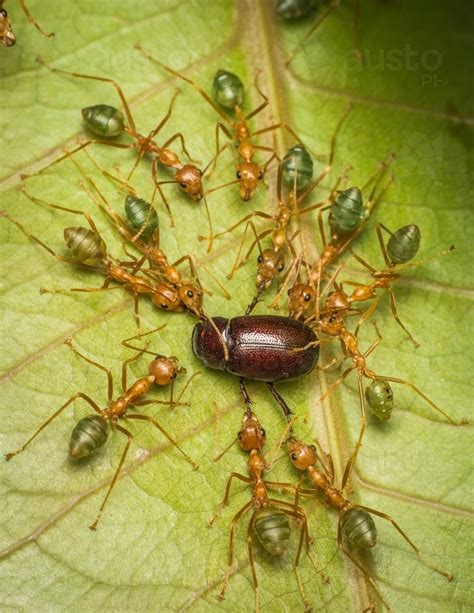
(302, 520)
(462, 422)
(117, 87)
(10, 455)
(363, 421)
(104, 288)
(32, 20)
(212, 163)
(225, 500)
(129, 436)
(283, 126)
(332, 151)
(237, 262)
(126, 343)
(175, 73)
(58, 207)
(125, 364)
(164, 120)
(110, 379)
(154, 174)
(240, 222)
(180, 137)
(75, 150)
(235, 520)
(34, 238)
(334, 385)
(192, 270)
(334, 4)
(185, 387)
(367, 314)
(438, 570)
(265, 102)
(393, 305)
(337, 360)
(153, 421)
(363, 262)
(214, 278)
(340, 544)
(250, 528)
(275, 303)
(322, 231)
(378, 229)
(372, 203)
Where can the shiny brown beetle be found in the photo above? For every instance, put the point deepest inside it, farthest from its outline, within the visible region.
(260, 347)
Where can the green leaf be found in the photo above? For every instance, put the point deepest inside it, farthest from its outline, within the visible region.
(152, 550)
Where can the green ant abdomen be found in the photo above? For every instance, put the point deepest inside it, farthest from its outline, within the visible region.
(347, 211)
(403, 244)
(379, 395)
(272, 528)
(104, 120)
(89, 434)
(85, 245)
(359, 528)
(294, 9)
(228, 89)
(141, 215)
(297, 161)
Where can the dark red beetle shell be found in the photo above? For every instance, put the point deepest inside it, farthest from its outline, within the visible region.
(260, 347)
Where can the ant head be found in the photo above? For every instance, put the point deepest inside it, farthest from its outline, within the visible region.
(167, 298)
(331, 324)
(302, 456)
(251, 435)
(270, 265)
(189, 178)
(302, 298)
(191, 297)
(337, 301)
(7, 38)
(248, 174)
(164, 369)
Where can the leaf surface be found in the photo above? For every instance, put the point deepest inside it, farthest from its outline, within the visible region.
(152, 550)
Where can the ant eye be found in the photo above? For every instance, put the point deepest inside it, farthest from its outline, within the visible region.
(3, 13)
(332, 319)
(260, 259)
(190, 294)
(239, 434)
(260, 175)
(289, 292)
(262, 432)
(307, 297)
(239, 175)
(174, 375)
(183, 185)
(313, 447)
(164, 306)
(294, 456)
(281, 267)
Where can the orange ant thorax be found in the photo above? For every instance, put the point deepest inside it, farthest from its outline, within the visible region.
(119, 407)
(256, 468)
(304, 457)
